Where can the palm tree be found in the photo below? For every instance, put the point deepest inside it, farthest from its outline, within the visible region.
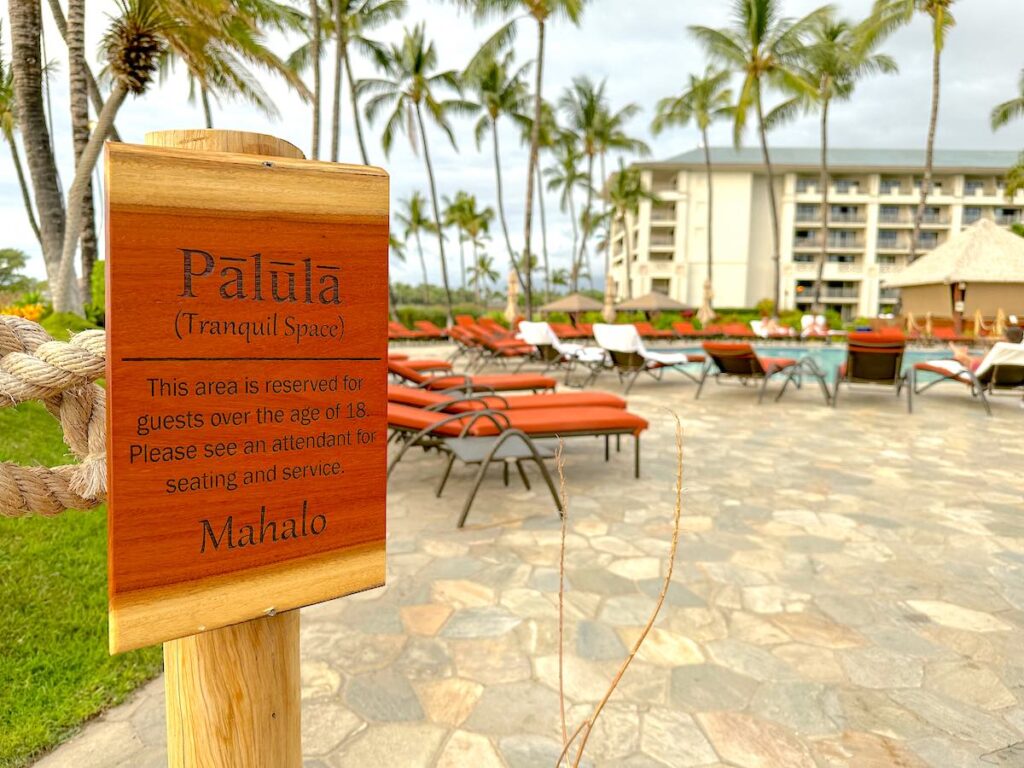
(1015, 178)
(133, 47)
(414, 220)
(548, 137)
(625, 192)
(765, 48)
(560, 277)
(457, 213)
(396, 251)
(315, 32)
(27, 78)
(1009, 110)
(219, 40)
(478, 227)
(482, 271)
(541, 11)
(409, 87)
(707, 98)
(888, 15)
(8, 125)
(838, 54)
(583, 104)
(499, 90)
(348, 22)
(566, 177)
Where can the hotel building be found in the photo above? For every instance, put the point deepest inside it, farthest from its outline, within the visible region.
(872, 200)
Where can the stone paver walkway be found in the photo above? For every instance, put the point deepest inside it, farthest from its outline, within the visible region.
(849, 592)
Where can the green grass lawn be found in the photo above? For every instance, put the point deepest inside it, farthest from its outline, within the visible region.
(55, 671)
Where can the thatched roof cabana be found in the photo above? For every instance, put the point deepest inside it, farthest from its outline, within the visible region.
(574, 302)
(979, 269)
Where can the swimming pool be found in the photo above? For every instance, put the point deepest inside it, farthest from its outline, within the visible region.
(828, 357)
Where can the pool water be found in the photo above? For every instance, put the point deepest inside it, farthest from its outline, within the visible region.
(830, 357)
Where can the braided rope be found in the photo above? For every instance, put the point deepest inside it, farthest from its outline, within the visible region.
(35, 367)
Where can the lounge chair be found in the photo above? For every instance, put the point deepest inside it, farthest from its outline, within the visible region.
(420, 423)
(565, 330)
(503, 382)
(439, 401)
(460, 437)
(685, 330)
(741, 361)
(498, 345)
(631, 358)
(738, 330)
(429, 330)
(398, 332)
(555, 353)
(758, 328)
(875, 358)
(424, 365)
(648, 331)
(1002, 369)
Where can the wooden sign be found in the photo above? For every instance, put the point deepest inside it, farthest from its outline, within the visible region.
(246, 326)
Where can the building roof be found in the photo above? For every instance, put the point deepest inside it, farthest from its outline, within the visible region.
(791, 158)
(982, 253)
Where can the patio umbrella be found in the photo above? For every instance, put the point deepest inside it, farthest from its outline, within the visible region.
(652, 302)
(608, 313)
(573, 303)
(512, 306)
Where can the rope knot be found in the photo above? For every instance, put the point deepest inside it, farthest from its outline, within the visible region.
(33, 366)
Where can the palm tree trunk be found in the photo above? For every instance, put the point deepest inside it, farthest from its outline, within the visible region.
(823, 183)
(543, 234)
(578, 263)
(501, 204)
(462, 255)
(65, 298)
(929, 153)
(423, 266)
(314, 52)
(26, 64)
(392, 301)
(776, 260)
(531, 169)
(709, 280)
(573, 277)
(94, 90)
(26, 196)
(336, 101)
(78, 89)
(355, 107)
(204, 97)
(437, 210)
(629, 254)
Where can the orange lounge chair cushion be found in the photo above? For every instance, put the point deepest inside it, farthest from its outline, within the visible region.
(427, 364)
(423, 398)
(498, 381)
(537, 422)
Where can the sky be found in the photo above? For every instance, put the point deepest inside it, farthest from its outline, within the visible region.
(643, 50)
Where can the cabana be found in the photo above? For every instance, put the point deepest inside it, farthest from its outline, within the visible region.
(651, 302)
(979, 270)
(572, 305)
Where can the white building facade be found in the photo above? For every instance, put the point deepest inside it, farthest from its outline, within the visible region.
(873, 196)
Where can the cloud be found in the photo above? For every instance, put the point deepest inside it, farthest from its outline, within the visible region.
(641, 47)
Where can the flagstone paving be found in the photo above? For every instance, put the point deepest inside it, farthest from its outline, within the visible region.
(849, 591)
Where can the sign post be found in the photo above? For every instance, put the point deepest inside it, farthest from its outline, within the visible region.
(247, 302)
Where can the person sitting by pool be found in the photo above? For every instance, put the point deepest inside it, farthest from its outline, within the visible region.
(962, 355)
(818, 326)
(770, 326)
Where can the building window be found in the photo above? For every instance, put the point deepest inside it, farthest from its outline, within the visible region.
(890, 186)
(804, 258)
(808, 212)
(974, 187)
(1007, 216)
(971, 214)
(928, 240)
(886, 260)
(661, 285)
(889, 214)
(888, 240)
(845, 186)
(843, 238)
(804, 184)
(841, 258)
(844, 213)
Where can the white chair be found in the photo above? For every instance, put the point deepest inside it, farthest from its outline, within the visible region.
(555, 353)
(630, 357)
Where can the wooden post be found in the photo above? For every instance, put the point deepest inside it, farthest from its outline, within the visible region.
(233, 694)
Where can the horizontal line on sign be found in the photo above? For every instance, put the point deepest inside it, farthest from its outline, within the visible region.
(233, 359)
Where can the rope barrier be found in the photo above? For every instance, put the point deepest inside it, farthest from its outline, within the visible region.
(61, 374)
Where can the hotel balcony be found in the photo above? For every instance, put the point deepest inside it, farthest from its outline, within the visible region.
(889, 295)
(662, 242)
(831, 293)
(662, 215)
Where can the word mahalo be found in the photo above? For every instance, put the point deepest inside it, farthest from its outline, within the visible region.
(246, 326)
